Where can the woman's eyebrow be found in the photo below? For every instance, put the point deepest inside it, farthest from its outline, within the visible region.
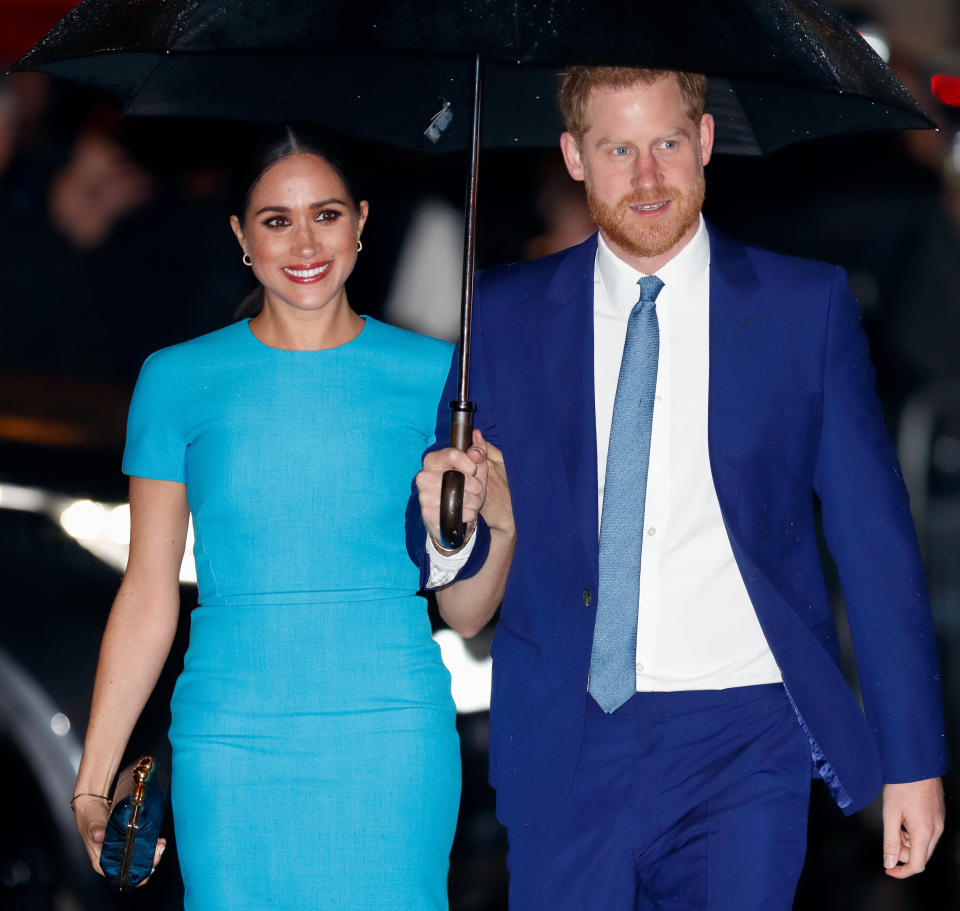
(316, 205)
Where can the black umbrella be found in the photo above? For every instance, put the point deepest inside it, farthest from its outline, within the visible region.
(381, 69)
(409, 73)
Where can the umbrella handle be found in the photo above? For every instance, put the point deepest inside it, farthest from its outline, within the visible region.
(452, 527)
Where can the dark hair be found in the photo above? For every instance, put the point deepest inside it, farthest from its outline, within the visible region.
(274, 148)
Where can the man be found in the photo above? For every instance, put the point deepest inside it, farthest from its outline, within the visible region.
(666, 684)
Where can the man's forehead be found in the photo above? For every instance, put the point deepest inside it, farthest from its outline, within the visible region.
(637, 105)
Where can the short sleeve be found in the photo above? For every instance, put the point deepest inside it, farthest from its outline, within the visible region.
(156, 437)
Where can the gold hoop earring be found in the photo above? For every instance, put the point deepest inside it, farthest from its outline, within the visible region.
(359, 245)
(247, 261)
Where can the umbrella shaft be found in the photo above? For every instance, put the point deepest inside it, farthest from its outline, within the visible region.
(452, 528)
(470, 241)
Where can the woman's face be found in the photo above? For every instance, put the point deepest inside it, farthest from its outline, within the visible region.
(301, 231)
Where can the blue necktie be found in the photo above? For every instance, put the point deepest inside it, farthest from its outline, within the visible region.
(613, 672)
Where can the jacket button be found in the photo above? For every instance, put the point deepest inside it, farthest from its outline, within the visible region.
(587, 597)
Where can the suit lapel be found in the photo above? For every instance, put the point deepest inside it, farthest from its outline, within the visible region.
(565, 319)
(736, 314)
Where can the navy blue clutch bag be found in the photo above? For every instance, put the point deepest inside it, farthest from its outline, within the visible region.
(133, 828)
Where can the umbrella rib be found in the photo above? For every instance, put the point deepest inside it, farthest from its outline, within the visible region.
(146, 79)
(516, 28)
(178, 25)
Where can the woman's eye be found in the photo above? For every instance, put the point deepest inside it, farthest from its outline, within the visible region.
(328, 215)
(278, 221)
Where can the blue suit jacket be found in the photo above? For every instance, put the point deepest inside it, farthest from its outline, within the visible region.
(792, 412)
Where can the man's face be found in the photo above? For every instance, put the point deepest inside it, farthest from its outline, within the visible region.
(642, 160)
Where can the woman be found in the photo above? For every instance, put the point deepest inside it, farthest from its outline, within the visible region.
(315, 757)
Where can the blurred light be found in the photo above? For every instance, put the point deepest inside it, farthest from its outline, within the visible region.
(83, 520)
(188, 568)
(60, 724)
(101, 528)
(17, 874)
(470, 678)
(874, 37)
(946, 89)
(951, 163)
(27, 499)
(118, 524)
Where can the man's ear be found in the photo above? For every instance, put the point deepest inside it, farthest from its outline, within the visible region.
(706, 138)
(571, 156)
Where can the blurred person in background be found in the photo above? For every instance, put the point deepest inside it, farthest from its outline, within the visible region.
(561, 206)
(93, 211)
(97, 187)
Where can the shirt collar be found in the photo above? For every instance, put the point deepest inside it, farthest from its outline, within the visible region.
(678, 274)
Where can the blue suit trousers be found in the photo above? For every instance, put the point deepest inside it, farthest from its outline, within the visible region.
(695, 801)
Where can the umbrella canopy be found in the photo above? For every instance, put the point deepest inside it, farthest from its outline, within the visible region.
(783, 70)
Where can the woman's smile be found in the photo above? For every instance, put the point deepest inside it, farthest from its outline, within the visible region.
(309, 272)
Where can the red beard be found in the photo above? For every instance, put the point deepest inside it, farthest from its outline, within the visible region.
(646, 239)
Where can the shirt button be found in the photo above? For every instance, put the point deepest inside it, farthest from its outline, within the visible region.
(658, 398)
(587, 597)
(651, 531)
(639, 667)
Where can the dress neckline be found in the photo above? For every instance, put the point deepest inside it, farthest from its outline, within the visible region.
(365, 329)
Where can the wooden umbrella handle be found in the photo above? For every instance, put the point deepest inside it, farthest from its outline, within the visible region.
(452, 526)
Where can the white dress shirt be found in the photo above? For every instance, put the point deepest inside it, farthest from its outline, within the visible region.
(696, 626)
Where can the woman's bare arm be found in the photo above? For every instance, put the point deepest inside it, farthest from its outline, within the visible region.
(136, 642)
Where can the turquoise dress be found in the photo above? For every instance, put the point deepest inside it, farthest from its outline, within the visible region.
(315, 757)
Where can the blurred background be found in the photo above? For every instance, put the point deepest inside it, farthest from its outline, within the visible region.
(114, 242)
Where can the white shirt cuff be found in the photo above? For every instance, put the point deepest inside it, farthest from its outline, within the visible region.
(444, 567)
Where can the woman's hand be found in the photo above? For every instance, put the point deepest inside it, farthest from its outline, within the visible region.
(91, 814)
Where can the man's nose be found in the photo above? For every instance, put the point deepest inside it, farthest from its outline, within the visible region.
(646, 172)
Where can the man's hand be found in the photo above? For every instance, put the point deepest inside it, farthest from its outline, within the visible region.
(472, 464)
(497, 510)
(912, 823)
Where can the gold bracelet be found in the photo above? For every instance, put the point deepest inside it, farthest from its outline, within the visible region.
(88, 794)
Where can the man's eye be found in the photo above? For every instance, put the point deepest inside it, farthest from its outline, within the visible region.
(620, 151)
(669, 144)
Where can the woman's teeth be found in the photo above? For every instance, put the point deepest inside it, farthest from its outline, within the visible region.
(306, 273)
